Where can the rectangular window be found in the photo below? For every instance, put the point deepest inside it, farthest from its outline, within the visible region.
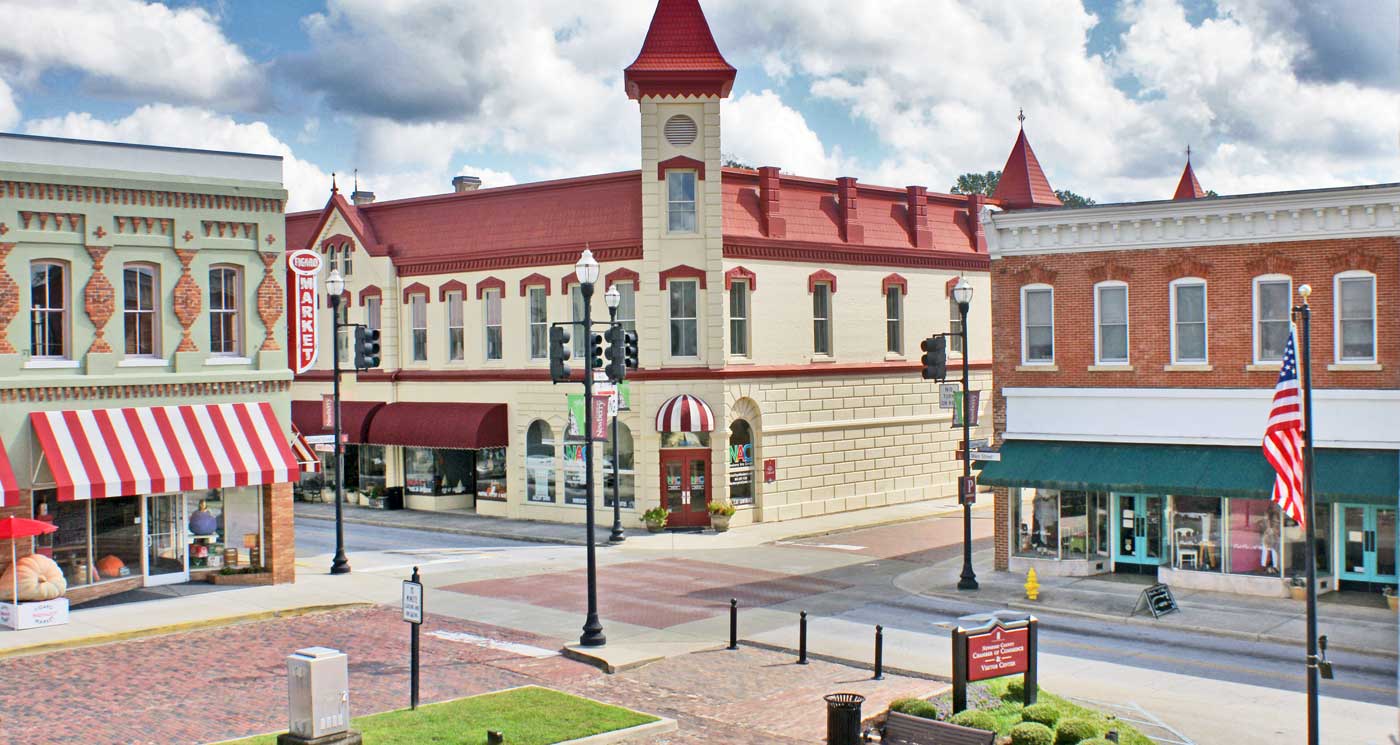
(626, 476)
(224, 295)
(627, 306)
(894, 320)
(577, 332)
(954, 327)
(539, 323)
(739, 319)
(347, 334)
(1111, 308)
(1196, 533)
(821, 319)
(491, 309)
(456, 334)
(372, 313)
(439, 471)
(1271, 318)
(48, 309)
(1037, 523)
(139, 310)
(680, 201)
(1189, 322)
(491, 474)
(1356, 318)
(684, 324)
(418, 319)
(346, 268)
(1038, 325)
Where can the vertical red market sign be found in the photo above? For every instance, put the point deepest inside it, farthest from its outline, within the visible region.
(305, 266)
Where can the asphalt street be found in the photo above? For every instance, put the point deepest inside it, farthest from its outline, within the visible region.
(316, 537)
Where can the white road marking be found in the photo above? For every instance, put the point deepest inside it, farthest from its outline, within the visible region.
(481, 641)
(837, 546)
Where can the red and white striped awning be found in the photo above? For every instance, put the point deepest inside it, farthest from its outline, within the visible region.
(95, 453)
(305, 455)
(9, 488)
(685, 413)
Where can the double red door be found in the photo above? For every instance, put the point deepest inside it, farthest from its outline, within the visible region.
(685, 487)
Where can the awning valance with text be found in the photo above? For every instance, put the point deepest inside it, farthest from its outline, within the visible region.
(427, 424)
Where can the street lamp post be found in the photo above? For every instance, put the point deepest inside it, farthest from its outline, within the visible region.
(614, 299)
(586, 270)
(962, 295)
(335, 285)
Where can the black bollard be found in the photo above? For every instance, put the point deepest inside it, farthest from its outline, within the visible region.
(733, 623)
(879, 653)
(802, 639)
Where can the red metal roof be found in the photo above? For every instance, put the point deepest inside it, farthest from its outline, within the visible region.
(1188, 187)
(1023, 183)
(679, 55)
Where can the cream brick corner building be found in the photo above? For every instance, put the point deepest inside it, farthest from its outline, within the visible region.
(789, 310)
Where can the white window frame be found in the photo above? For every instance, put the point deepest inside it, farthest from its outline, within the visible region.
(1337, 318)
(627, 307)
(536, 297)
(1099, 359)
(829, 320)
(1255, 318)
(894, 325)
(417, 314)
(155, 310)
(374, 313)
(346, 265)
(1025, 335)
(694, 320)
(455, 312)
(954, 347)
(743, 334)
(236, 311)
(578, 335)
(345, 341)
(65, 278)
(694, 204)
(488, 297)
(1205, 318)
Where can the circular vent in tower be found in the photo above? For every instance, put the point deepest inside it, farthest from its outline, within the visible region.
(680, 130)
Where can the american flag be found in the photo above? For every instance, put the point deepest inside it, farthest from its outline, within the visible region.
(1283, 438)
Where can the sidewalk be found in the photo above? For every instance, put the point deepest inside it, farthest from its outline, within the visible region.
(1349, 623)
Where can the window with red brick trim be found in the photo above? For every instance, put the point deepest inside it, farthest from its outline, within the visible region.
(1189, 328)
(1111, 323)
(1038, 325)
(1355, 301)
(1273, 295)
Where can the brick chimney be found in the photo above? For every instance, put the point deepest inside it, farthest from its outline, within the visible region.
(770, 202)
(919, 232)
(465, 183)
(851, 228)
(360, 198)
(974, 222)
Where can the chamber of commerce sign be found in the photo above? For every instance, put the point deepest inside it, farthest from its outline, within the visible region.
(992, 645)
(997, 653)
(305, 266)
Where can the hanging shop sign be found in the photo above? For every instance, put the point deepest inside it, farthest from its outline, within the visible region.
(770, 470)
(600, 417)
(993, 645)
(305, 266)
(328, 412)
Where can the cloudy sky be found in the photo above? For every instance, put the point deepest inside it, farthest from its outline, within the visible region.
(1270, 94)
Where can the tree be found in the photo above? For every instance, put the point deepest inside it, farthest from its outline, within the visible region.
(1211, 193)
(1071, 199)
(977, 183)
(729, 160)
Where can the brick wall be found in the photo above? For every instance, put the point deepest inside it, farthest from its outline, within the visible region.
(279, 533)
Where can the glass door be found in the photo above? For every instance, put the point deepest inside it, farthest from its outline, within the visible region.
(1368, 543)
(165, 540)
(685, 486)
(1137, 529)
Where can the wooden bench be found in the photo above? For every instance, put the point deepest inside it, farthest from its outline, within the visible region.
(903, 729)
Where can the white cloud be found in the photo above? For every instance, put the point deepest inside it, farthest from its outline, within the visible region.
(761, 130)
(129, 48)
(9, 110)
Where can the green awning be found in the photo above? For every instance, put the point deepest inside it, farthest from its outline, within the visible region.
(1370, 476)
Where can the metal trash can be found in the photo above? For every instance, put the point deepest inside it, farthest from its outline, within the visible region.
(843, 718)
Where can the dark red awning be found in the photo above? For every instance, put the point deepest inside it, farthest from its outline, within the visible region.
(460, 426)
(355, 417)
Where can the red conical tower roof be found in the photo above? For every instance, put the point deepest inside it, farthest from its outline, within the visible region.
(679, 56)
(1188, 187)
(1022, 182)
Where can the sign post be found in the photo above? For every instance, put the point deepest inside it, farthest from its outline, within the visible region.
(992, 645)
(413, 614)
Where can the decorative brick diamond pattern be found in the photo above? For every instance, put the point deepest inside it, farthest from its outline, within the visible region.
(188, 300)
(9, 300)
(99, 300)
(270, 301)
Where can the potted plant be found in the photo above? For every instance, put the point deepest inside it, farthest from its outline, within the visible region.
(720, 512)
(375, 497)
(1391, 599)
(655, 518)
(1298, 587)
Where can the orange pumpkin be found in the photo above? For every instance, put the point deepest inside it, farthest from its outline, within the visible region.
(38, 576)
(110, 567)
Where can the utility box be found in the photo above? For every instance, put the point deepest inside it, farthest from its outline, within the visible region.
(318, 693)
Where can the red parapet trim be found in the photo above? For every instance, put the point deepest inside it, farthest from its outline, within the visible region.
(763, 249)
(534, 280)
(488, 284)
(623, 274)
(894, 280)
(678, 84)
(818, 277)
(949, 285)
(453, 285)
(682, 271)
(680, 162)
(519, 259)
(417, 288)
(368, 292)
(742, 274)
(337, 240)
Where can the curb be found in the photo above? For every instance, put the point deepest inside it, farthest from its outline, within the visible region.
(846, 661)
(661, 726)
(955, 510)
(499, 534)
(172, 628)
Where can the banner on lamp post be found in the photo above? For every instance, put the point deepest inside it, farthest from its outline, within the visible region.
(305, 267)
(973, 399)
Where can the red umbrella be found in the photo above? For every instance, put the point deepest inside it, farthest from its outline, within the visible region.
(13, 528)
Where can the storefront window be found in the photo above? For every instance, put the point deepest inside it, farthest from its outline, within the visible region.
(437, 471)
(575, 490)
(740, 462)
(1196, 533)
(539, 462)
(205, 528)
(1295, 546)
(685, 439)
(243, 524)
(1254, 536)
(490, 473)
(67, 546)
(1037, 523)
(1098, 521)
(1074, 525)
(117, 539)
(370, 470)
(627, 488)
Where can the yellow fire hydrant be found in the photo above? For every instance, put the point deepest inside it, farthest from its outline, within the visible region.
(1032, 586)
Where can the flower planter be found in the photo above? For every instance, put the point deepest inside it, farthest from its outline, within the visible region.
(655, 527)
(1298, 593)
(719, 522)
(1393, 601)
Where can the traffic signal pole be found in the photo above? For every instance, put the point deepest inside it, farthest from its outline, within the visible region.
(968, 579)
(592, 627)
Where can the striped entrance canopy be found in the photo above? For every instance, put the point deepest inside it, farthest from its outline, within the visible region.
(685, 413)
(9, 488)
(305, 455)
(95, 453)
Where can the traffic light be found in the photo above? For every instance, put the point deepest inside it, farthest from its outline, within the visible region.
(629, 354)
(595, 351)
(366, 348)
(558, 354)
(617, 362)
(935, 357)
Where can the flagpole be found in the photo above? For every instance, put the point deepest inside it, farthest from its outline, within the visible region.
(1310, 538)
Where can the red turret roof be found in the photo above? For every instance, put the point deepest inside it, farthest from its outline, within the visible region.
(679, 56)
(1022, 182)
(1188, 187)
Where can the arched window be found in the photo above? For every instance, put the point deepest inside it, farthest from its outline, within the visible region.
(225, 310)
(48, 310)
(741, 458)
(539, 462)
(627, 485)
(140, 288)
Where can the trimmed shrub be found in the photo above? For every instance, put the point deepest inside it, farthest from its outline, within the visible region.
(915, 707)
(1076, 730)
(1097, 741)
(1032, 733)
(1046, 714)
(977, 720)
(1015, 690)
